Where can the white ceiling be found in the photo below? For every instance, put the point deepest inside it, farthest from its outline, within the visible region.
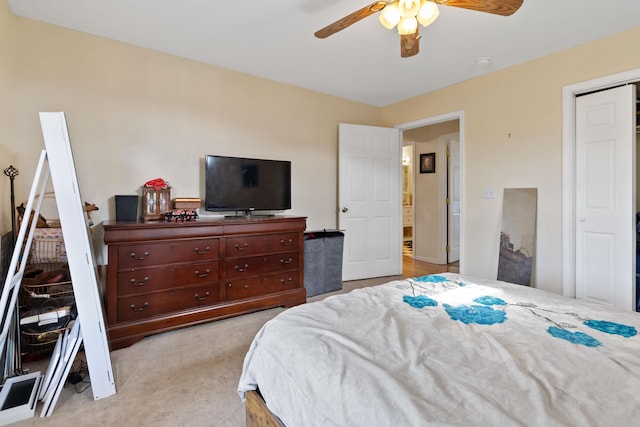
(274, 38)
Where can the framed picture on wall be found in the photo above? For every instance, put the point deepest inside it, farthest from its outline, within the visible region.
(428, 163)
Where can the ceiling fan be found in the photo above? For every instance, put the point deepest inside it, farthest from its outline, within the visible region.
(406, 14)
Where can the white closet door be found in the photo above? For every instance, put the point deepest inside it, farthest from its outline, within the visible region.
(606, 197)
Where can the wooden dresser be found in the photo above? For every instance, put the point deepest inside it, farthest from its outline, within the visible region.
(166, 275)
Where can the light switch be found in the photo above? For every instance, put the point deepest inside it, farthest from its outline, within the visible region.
(489, 193)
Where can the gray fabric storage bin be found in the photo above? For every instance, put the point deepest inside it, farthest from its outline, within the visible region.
(323, 261)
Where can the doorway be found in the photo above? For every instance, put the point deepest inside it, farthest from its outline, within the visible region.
(431, 222)
(571, 186)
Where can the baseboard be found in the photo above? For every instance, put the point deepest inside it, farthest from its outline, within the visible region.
(425, 259)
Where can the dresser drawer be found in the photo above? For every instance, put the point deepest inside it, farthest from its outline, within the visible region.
(140, 255)
(407, 216)
(142, 280)
(160, 303)
(256, 265)
(245, 288)
(251, 245)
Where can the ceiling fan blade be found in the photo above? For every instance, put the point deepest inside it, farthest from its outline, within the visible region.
(496, 7)
(410, 44)
(348, 20)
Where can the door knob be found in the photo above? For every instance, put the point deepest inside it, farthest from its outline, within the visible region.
(345, 209)
(582, 219)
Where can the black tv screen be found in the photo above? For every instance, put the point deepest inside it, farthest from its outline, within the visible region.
(242, 184)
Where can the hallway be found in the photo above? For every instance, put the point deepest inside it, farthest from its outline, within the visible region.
(413, 268)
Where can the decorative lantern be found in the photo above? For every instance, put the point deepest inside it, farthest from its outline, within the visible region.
(156, 199)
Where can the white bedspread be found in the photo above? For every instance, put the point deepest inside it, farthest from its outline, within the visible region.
(401, 354)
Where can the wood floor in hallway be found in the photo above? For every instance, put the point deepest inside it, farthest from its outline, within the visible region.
(414, 268)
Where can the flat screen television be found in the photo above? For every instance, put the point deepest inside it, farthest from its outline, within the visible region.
(246, 185)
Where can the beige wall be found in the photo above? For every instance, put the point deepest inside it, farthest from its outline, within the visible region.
(428, 205)
(135, 114)
(7, 62)
(513, 138)
(430, 132)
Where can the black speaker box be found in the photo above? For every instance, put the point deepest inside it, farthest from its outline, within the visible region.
(126, 208)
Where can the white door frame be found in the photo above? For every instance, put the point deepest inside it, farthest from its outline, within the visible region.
(454, 115)
(569, 94)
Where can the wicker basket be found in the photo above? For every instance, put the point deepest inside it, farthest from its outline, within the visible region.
(41, 343)
(47, 246)
(47, 290)
(52, 295)
(40, 339)
(47, 305)
(48, 243)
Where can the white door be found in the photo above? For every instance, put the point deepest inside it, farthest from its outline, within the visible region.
(453, 201)
(369, 201)
(605, 197)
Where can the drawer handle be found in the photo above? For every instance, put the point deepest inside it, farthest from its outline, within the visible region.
(241, 248)
(205, 274)
(286, 242)
(144, 307)
(206, 250)
(139, 258)
(244, 286)
(144, 281)
(286, 282)
(199, 298)
(241, 269)
(286, 261)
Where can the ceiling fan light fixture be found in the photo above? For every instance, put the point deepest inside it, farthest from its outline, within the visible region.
(428, 13)
(407, 26)
(390, 16)
(408, 8)
(406, 14)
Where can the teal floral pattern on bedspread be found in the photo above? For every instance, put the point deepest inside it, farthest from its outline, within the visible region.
(419, 301)
(490, 310)
(434, 278)
(612, 328)
(479, 314)
(574, 337)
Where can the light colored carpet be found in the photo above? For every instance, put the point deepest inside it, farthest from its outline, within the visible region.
(185, 377)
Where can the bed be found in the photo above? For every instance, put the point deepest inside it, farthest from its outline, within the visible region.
(445, 350)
